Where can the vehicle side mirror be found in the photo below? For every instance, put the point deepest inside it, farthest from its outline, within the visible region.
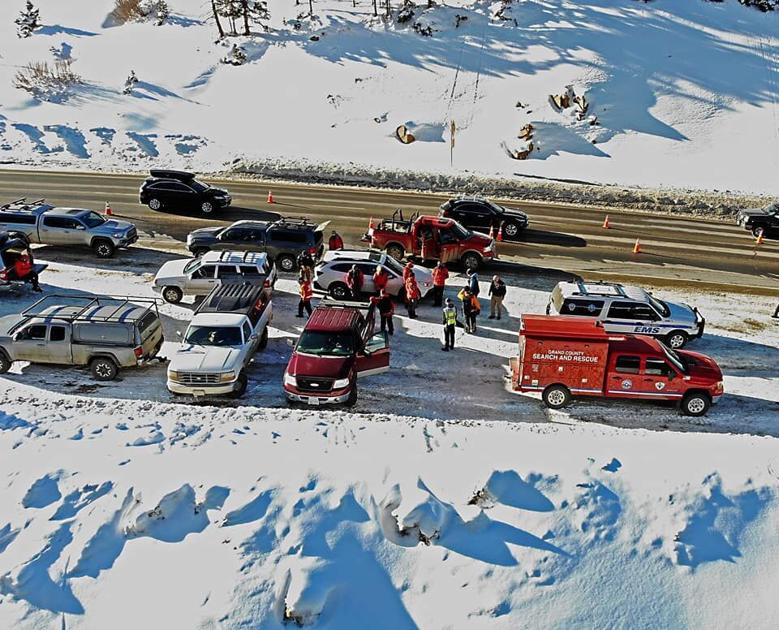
(17, 336)
(178, 333)
(671, 375)
(254, 337)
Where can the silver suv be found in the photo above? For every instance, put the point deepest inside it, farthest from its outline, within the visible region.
(104, 333)
(330, 273)
(198, 276)
(39, 222)
(628, 309)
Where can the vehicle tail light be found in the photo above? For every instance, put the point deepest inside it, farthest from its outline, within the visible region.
(312, 250)
(138, 352)
(266, 284)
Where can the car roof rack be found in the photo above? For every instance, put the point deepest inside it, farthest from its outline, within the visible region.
(74, 308)
(22, 204)
(233, 297)
(164, 173)
(293, 222)
(228, 256)
(607, 288)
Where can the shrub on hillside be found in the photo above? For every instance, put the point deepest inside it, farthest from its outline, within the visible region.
(141, 11)
(28, 21)
(47, 82)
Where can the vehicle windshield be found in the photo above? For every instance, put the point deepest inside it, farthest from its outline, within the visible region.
(192, 265)
(198, 186)
(772, 208)
(214, 336)
(92, 219)
(660, 306)
(674, 358)
(331, 344)
(394, 265)
(460, 231)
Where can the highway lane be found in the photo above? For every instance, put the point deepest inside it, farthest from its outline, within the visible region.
(676, 250)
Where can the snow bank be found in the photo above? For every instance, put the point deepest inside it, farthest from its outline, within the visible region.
(672, 92)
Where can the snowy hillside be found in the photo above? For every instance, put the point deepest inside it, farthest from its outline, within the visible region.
(123, 508)
(677, 93)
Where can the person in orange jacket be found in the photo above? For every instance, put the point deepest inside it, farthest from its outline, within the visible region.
(440, 275)
(25, 271)
(306, 293)
(335, 242)
(412, 295)
(408, 270)
(380, 279)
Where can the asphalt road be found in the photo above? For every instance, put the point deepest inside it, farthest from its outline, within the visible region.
(675, 251)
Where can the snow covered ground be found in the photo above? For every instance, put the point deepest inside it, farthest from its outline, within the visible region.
(685, 93)
(442, 501)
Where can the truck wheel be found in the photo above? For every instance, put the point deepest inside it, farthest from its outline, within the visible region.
(339, 291)
(155, 204)
(352, 400)
(511, 230)
(757, 231)
(696, 404)
(286, 262)
(396, 251)
(103, 248)
(207, 207)
(676, 339)
(471, 261)
(103, 369)
(263, 340)
(5, 363)
(243, 383)
(556, 396)
(172, 295)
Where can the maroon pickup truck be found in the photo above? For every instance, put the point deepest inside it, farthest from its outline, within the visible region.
(431, 238)
(337, 346)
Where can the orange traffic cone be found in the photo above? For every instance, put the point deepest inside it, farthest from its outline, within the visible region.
(606, 225)
(760, 240)
(500, 233)
(370, 224)
(492, 232)
(637, 247)
(108, 212)
(270, 197)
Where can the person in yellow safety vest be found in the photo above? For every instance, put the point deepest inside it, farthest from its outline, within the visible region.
(449, 317)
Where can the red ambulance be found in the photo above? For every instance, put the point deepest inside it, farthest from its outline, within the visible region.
(563, 357)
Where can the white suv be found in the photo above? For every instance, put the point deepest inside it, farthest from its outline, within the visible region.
(198, 276)
(228, 328)
(628, 309)
(330, 273)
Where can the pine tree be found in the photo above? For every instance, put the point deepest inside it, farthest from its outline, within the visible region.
(232, 10)
(27, 21)
(130, 82)
(255, 11)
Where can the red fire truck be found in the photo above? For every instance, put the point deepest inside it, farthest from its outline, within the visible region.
(563, 357)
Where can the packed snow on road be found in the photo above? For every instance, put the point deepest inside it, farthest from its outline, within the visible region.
(659, 94)
(441, 500)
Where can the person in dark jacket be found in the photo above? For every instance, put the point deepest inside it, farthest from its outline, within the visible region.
(449, 320)
(386, 310)
(335, 242)
(354, 280)
(306, 265)
(497, 292)
(473, 282)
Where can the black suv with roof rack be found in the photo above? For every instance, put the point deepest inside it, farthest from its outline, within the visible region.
(283, 240)
(174, 190)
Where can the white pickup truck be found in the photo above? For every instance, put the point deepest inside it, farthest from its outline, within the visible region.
(228, 328)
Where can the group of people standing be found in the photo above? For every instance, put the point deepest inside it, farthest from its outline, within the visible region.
(468, 296)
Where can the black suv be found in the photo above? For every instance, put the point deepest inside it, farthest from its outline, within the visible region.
(757, 220)
(480, 214)
(283, 240)
(180, 190)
